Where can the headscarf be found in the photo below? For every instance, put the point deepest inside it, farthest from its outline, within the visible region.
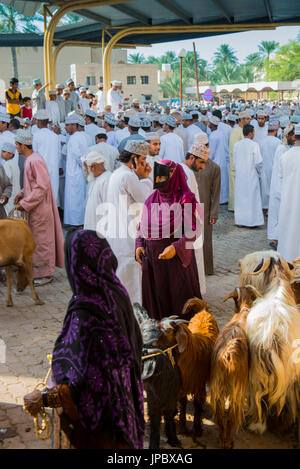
(158, 221)
(98, 350)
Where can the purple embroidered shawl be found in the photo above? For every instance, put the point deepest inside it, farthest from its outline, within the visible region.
(98, 350)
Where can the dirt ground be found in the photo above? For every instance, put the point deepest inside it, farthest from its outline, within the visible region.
(29, 332)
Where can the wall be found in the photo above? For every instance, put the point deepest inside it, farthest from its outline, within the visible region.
(121, 72)
(31, 64)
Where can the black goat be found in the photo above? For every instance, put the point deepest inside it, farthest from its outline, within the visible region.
(161, 382)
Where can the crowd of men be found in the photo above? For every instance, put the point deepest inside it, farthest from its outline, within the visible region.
(95, 153)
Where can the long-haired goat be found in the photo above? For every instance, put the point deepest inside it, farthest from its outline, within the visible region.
(229, 368)
(260, 267)
(273, 331)
(195, 343)
(161, 382)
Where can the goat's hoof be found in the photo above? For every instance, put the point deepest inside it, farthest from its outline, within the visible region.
(9, 303)
(39, 302)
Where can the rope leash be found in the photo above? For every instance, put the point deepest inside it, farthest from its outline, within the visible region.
(44, 429)
(167, 350)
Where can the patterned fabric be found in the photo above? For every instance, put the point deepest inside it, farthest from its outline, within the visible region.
(98, 351)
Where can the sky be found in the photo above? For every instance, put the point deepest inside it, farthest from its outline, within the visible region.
(243, 43)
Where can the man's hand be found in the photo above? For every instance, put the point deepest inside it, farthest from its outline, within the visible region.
(33, 402)
(17, 199)
(213, 221)
(168, 253)
(138, 253)
(143, 169)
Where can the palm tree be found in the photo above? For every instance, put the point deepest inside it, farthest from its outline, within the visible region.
(13, 22)
(225, 55)
(170, 87)
(152, 60)
(169, 57)
(265, 50)
(136, 58)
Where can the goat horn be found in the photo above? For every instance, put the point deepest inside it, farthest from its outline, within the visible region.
(239, 293)
(173, 317)
(231, 295)
(181, 321)
(255, 291)
(265, 266)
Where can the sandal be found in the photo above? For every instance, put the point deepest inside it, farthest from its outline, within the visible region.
(39, 282)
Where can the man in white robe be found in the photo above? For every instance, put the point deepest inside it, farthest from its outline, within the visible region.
(122, 131)
(61, 102)
(261, 129)
(190, 128)
(9, 160)
(219, 153)
(114, 98)
(98, 178)
(74, 97)
(247, 162)
(52, 108)
(109, 124)
(288, 141)
(128, 185)
(84, 102)
(181, 132)
(289, 219)
(171, 145)
(268, 148)
(109, 152)
(38, 98)
(91, 128)
(75, 183)
(153, 154)
(100, 98)
(46, 143)
(195, 161)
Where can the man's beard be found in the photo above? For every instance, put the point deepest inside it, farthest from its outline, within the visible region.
(90, 177)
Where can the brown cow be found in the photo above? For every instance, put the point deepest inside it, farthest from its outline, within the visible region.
(17, 246)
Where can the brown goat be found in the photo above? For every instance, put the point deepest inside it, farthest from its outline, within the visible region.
(195, 344)
(229, 369)
(16, 249)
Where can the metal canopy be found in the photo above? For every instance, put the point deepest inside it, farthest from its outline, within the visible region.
(129, 13)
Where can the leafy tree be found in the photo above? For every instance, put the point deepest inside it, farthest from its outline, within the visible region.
(225, 55)
(152, 60)
(136, 58)
(265, 49)
(13, 22)
(170, 87)
(285, 66)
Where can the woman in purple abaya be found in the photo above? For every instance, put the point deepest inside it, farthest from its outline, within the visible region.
(171, 220)
(96, 362)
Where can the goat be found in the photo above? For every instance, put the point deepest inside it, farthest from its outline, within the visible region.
(229, 369)
(16, 249)
(295, 265)
(195, 343)
(273, 331)
(161, 382)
